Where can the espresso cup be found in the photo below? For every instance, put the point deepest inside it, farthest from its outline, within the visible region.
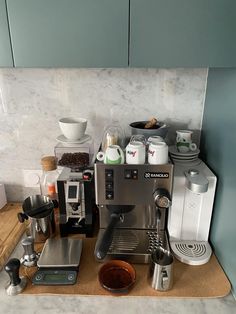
(113, 155)
(135, 153)
(158, 153)
(184, 141)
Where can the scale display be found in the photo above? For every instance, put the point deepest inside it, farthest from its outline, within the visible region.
(72, 190)
(54, 277)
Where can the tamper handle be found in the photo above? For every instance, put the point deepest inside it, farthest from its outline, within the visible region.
(12, 268)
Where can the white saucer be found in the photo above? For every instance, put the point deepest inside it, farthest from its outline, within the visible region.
(183, 157)
(174, 152)
(61, 138)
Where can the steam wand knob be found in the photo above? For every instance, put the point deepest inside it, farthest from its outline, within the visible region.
(162, 198)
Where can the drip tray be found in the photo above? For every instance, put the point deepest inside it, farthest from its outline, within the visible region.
(133, 245)
(191, 252)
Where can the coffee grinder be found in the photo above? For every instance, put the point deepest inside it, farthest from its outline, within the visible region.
(75, 187)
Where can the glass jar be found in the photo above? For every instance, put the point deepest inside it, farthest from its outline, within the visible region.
(113, 135)
(48, 180)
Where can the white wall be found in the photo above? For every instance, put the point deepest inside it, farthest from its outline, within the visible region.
(32, 101)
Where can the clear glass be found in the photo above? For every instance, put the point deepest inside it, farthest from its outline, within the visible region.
(48, 183)
(113, 135)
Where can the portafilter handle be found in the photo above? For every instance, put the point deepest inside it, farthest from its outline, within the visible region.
(103, 245)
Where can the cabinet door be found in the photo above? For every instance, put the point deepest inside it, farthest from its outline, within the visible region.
(69, 33)
(183, 33)
(5, 46)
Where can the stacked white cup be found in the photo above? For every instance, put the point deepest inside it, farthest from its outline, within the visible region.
(157, 151)
(136, 150)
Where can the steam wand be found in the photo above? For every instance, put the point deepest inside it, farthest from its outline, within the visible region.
(162, 201)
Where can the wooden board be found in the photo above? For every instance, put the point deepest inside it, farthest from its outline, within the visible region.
(11, 230)
(206, 281)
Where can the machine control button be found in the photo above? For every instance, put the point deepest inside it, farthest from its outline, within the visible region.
(87, 175)
(71, 277)
(128, 174)
(109, 174)
(131, 174)
(109, 186)
(39, 277)
(109, 195)
(135, 174)
(75, 206)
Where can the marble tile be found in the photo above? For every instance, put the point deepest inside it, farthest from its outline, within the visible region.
(32, 101)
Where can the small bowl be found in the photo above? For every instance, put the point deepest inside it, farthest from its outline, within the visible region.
(73, 128)
(117, 276)
(159, 129)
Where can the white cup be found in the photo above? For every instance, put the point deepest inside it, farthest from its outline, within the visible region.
(113, 155)
(135, 153)
(184, 141)
(158, 153)
(73, 128)
(155, 139)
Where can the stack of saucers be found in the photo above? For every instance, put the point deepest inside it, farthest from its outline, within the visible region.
(188, 156)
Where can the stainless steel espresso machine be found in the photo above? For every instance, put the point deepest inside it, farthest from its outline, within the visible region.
(133, 203)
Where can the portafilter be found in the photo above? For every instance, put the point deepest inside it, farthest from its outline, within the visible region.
(117, 212)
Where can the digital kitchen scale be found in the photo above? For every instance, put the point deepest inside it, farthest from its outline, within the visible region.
(59, 262)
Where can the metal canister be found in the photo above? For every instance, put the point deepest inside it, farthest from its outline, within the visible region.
(161, 269)
(40, 212)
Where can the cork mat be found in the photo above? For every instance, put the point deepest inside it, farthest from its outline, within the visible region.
(206, 281)
(11, 230)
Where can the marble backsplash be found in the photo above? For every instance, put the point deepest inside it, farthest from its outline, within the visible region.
(32, 101)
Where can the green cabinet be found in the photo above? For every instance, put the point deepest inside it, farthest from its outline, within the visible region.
(69, 33)
(119, 33)
(5, 45)
(182, 33)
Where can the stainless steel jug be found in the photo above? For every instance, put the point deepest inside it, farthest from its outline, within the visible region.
(40, 212)
(161, 269)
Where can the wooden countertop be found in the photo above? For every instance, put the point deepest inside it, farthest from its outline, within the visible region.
(11, 230)
(205, 281)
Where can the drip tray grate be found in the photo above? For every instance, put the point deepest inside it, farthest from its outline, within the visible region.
(191, 252)
(133, 245)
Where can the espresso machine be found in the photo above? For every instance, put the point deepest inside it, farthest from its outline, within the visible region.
(76, 199)
(133, 202)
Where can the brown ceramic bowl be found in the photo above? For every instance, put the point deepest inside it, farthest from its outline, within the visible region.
(117, 276)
